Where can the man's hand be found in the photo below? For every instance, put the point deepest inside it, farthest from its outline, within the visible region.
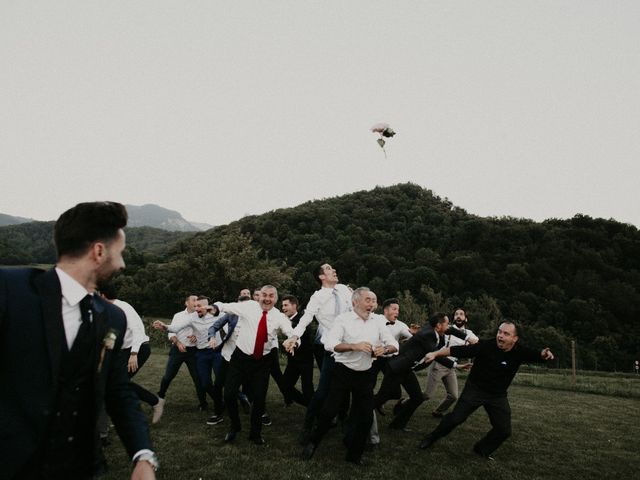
(180, 346)
(290, 343)
(429, 357)
(365, 347)
(192, 339)
(158, 325)
(290, 347)
(212, 342)
(472, 340)
(379, 351)
(414, 328)
(546, 354)
(143, 471)
(132, 366)
(464, 366)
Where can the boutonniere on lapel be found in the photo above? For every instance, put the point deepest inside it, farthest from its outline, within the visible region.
(108, 342)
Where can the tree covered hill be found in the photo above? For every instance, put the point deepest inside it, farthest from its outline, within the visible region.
(32, 243)
(562, 279)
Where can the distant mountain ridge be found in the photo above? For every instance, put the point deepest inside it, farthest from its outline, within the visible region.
(12, 220)
(149, 215)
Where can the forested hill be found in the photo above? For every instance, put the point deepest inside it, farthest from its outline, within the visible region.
(563, 279)
(32, 243)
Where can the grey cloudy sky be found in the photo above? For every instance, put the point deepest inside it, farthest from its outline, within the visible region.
(222, 109)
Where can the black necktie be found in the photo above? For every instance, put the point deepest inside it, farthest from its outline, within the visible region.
(84, 332)
(85, 309)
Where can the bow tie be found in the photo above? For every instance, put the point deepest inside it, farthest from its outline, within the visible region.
(390, 323)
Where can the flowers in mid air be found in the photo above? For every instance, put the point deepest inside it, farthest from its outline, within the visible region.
(384, 130)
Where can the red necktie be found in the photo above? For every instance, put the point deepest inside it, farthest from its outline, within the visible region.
(261, 337)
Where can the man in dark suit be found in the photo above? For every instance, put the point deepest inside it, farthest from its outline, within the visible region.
(59, 361)
(300, 364)
(400, 369)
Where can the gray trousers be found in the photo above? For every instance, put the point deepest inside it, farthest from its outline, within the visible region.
(449, 380)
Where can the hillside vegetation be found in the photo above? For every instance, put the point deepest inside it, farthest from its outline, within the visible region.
(563, 279)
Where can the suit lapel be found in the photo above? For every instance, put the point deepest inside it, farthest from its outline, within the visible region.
(48, 287)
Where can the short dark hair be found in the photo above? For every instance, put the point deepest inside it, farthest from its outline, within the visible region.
(320, 271)
(436, 318)
(87, 223)
(390, 301)
(204, 297)
(291, 298)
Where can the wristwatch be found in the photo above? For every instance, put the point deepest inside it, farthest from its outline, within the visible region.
(148, 457)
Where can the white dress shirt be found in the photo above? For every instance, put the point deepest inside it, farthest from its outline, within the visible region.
(72, 293)
(398, 329)
(199, 325)
(183, 334)
(322, 306)
(135, 335)
(249, 315)
(350, 328)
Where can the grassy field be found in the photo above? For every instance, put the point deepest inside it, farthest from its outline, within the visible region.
(557, 433)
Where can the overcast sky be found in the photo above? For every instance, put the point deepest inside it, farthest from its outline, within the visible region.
(222, 109)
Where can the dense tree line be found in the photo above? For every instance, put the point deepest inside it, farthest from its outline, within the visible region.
(562, 279)
(32, 243)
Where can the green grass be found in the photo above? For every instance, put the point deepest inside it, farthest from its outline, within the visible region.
(556, 434)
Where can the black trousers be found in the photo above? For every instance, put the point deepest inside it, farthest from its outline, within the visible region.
(360, 385)
(143, 355)
(275, 371)
(298, 367)
(174, 362)
(496, 406)
(254, 374)
(391, 383)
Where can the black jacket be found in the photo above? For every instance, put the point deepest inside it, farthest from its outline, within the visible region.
(31, 346)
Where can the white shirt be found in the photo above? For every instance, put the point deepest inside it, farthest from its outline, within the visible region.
(200, 326)
(135, 335)
(322, 305)
(184, 333)
(229, 346)
(453, 341)
(72, 293)
(350, 328)
(249, 315)
(398, 329)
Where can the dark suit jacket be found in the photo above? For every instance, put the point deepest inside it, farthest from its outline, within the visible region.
(31, 348)
(414, 349)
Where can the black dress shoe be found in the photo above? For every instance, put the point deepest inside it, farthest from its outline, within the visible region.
(230, 437)
(477, 451)
(308, 451)
(427, 442)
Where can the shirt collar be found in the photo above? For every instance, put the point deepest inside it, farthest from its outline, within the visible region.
(72, 291)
